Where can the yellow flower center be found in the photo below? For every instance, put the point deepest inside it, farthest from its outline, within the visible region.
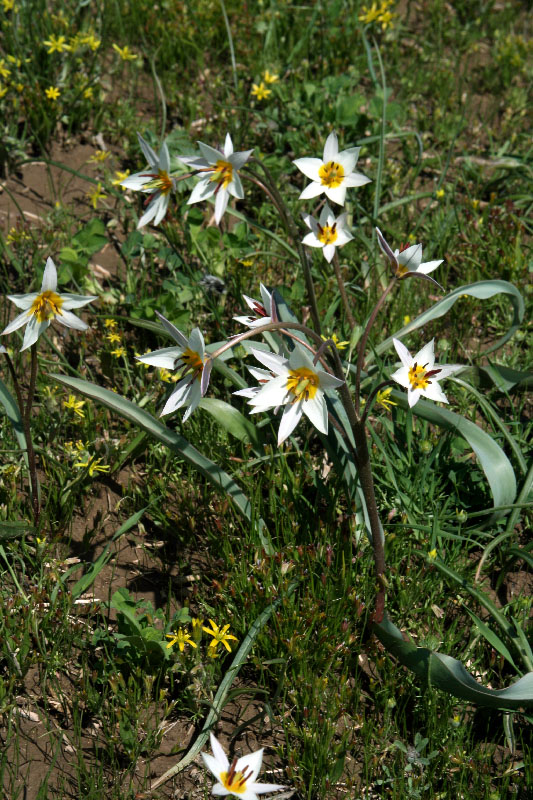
(328, 234)
(192, 361)
(46, 306)
(222, 173)
(160, 180)
(233, 781)
(303, 383)
(419, 377)
(331, 174)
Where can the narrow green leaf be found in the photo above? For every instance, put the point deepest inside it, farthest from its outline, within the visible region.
(495, 464)
(234, 422)
(97, 566)
(492, 638)
(481, 290)
(446, 673)
(178, 444)
(13, 415)
(14, 530)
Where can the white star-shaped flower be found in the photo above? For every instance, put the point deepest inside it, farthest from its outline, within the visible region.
(222, 176)
(262, 310)
(328, 232)
(420, 375)
(40, 308)
(189, 356)
(155, 180)
(332, 174)
(407, 260)
(296, 384)
(239, 777)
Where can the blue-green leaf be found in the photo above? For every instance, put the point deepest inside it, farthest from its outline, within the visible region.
(446, 673)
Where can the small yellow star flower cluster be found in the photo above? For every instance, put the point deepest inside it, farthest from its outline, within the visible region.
(52, 93)
(182, 637)
(96, 195)
(125, 53)
(76, 406)
(378, 13)
(261, 90)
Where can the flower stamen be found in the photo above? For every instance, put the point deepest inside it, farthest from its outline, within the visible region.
(302, 383)
(46, 306)
(331, 174)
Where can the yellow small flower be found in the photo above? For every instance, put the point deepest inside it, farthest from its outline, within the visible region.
(96, 195)
(113, 337)
(383, 398)
(412, 238)
(99, 156)
(269, 77)
(440, 193)
(432, 555)
(181, 638)
(8, 5)
(406, 319)
(125, 53)
(4, 71)
(88, 93)
(197, 628)
(120, 176)
(261, 91)
(94, 466)
(40, 542)
(109, 322)
(167, 376)
(335, 339)
(475, 204)
(56, 44)
(52, 93)
(3, 91)
(119, 352)
(220, 636)
(247, 262)
(74, 405)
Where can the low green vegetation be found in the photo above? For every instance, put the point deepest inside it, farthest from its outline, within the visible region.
(163, 578)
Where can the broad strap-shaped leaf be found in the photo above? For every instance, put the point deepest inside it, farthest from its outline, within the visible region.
(446, 673)
(495, 464)
(481, 290)
(234, 422)
(13, 415)
(178, 444)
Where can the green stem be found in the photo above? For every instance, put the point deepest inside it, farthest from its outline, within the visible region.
(364, 339)
(342, 290)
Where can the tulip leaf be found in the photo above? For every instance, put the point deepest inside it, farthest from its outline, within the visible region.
(448, 674)
(13, 415)
(234, 422)
(495, 464)
(178, 444)
(482, 290)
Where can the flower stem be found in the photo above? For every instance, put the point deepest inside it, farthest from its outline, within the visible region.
(364, 339)
(292, 230)
(342, 290)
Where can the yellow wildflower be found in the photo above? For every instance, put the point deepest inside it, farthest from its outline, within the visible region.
(125, 53)
(379, 14)
(4, 71)
(52, 93)
(432, 555)
(88, 39)
(88, 93)
(383, 398)
(56, 44)
(269, 77)
(93, 464)
(3, 91)
(181, 638)
(247, 262)
(220, 636)
(96, 195)
(113, 337)
(335, 339)
(99, 156)
(119, 352)
(167, 376)
(75, 405)
(8, 5)
(406, 319)
(120, 176)
(261, 91)
(440, 193)
(109, 322)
